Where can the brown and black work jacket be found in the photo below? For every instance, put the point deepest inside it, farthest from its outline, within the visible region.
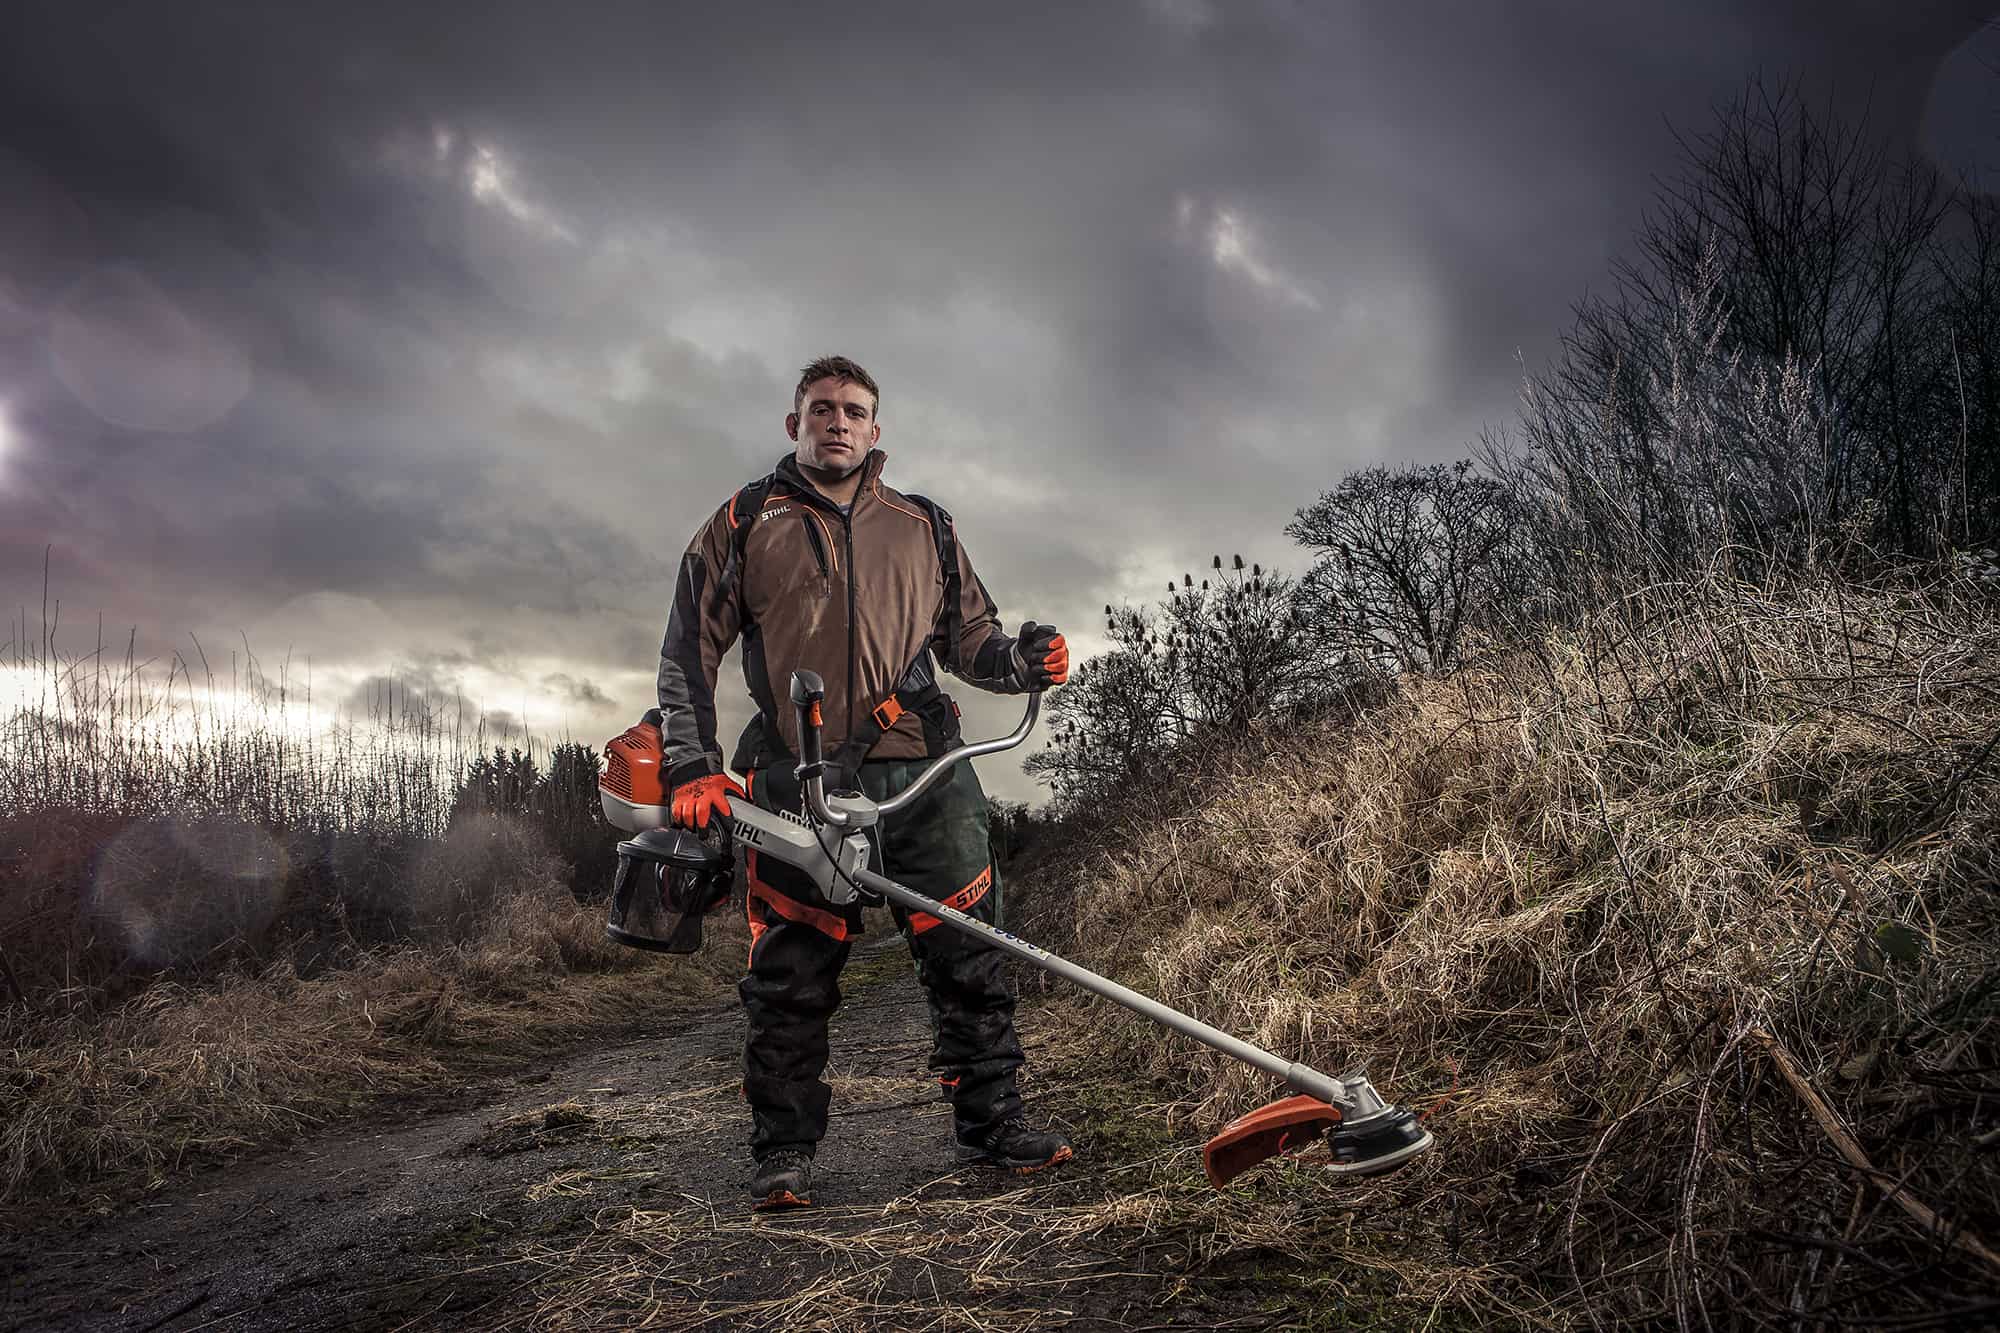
(856, 597)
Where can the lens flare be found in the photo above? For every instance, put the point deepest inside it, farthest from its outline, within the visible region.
(133, 356)
(174, 891)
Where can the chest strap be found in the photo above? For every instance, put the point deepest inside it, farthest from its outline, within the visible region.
(917, 692)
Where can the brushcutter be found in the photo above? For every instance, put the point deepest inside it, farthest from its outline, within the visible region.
(668, 878)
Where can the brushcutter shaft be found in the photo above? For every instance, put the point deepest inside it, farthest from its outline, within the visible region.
(853, 813)
(1298, 1077)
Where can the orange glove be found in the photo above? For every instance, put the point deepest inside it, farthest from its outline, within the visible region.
(694, 801)
(1044, 656)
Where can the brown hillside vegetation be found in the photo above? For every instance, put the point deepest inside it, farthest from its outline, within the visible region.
(1681, 924)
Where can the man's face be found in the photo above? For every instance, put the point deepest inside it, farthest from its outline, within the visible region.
(835, 426)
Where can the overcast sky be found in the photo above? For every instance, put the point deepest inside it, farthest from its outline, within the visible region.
(415, 344)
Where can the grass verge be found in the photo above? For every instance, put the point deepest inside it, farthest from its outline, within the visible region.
(1681, 923)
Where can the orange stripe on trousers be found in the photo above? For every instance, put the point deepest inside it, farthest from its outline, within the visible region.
(963, 901)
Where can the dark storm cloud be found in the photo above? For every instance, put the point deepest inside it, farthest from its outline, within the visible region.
(414, 331)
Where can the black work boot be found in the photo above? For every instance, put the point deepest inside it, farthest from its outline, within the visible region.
(1012, 1145)
(783, 1180)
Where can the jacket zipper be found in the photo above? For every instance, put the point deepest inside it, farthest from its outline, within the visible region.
(847, 530)
(820, 502)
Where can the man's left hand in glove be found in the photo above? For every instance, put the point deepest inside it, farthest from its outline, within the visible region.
(1041, 657)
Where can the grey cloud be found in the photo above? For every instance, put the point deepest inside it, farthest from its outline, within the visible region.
(577, 690)
(502, 725)
(421, 695)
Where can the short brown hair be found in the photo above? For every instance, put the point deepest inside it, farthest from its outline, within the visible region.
(837, 368)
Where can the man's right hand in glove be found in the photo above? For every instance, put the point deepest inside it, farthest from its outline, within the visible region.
(694, 802)
(1043, 656)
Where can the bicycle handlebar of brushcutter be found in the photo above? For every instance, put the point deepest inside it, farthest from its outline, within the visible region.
(828, 839)
(1365, 1135)
(852, 811)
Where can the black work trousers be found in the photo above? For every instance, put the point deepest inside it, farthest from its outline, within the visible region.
(799, 942)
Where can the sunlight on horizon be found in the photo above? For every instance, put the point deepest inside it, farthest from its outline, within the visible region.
(186, 712)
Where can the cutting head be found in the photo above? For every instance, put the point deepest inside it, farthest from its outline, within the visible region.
(1379, 1142)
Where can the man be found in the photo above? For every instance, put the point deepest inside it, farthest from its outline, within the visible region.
(823, 567)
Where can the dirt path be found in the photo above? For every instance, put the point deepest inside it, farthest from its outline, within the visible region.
(609, 1191)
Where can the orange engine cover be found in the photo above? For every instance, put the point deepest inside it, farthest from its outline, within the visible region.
(632, 787)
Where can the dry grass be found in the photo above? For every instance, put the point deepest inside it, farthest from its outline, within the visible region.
(1000, 1263)
(180, 1074)
(1571, 900)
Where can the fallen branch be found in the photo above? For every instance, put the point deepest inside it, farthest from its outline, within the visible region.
(1829, 1120)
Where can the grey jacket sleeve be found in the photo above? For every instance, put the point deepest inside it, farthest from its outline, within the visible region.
(703, 623)
(986, 656)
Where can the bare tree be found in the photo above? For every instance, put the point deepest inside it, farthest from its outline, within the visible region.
(1776, 374)
(1406, 558)
(1904, 426)
(1773, 205)
(1968, 274)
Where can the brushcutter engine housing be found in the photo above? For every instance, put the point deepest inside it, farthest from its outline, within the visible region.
(668, 879)
(632, 789)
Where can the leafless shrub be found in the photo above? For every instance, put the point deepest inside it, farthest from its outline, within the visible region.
(1407, 560)
(1796, 365)
(1207, 662)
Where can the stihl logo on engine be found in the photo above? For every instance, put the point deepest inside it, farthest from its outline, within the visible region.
(774, 511)
(803, 821)
(749, 833)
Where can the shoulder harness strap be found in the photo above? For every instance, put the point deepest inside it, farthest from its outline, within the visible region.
(743, 507)
(946, 538)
